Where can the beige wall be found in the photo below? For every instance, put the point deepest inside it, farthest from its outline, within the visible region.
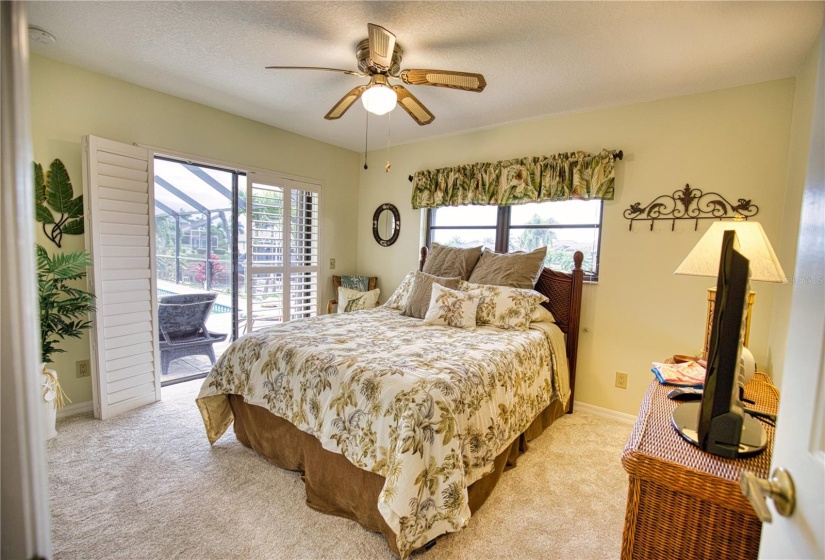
(734, 142)
(68, 102)
(798, 151)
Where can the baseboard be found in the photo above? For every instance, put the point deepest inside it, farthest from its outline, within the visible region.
(72, 409)
(606, 412)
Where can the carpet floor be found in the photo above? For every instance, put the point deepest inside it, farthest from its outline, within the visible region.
(148, 485)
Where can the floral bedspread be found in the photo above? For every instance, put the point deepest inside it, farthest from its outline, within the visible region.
(426, 407)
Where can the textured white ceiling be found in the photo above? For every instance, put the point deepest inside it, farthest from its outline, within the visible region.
(539, 58)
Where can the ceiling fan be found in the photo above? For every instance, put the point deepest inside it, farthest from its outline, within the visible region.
(379, 59)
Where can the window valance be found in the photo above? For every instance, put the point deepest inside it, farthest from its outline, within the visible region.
(565, 176)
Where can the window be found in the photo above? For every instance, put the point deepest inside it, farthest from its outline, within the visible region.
(564, 227)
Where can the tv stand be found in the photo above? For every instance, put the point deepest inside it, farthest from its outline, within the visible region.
(681, 501)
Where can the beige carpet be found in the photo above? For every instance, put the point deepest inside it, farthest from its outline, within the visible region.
(148, 485)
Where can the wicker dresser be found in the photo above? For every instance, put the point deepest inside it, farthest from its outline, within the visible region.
(681, 501)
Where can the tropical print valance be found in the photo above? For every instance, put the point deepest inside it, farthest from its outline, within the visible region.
(565, 176)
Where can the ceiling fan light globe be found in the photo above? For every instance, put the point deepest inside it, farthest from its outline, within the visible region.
(379, 99)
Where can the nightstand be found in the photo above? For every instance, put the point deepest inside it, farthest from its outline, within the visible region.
(681, 501)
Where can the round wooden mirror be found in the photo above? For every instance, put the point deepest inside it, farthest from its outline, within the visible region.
(386, 224)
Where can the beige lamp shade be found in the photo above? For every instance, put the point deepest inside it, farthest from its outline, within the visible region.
(703, 260)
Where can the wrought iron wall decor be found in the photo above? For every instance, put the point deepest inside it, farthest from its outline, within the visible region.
(689, 204)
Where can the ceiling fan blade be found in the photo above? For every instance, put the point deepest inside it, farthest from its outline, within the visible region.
(345, 103)
(382, 43)
(466, 81)
(413, 106)
(351, 72)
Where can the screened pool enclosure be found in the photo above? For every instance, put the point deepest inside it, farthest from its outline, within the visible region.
(267, 276)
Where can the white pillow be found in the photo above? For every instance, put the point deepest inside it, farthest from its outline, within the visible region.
(452, 308)
(398, 299)
(353, 300)
(542, 315)
(504, 307)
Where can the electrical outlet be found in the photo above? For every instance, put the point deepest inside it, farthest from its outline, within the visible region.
(332, 264)
(84, 368)
(621, 380)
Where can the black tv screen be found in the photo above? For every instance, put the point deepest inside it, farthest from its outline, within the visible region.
(719, 424)
(720, 401)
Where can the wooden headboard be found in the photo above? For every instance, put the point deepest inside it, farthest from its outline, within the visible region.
(564, 293)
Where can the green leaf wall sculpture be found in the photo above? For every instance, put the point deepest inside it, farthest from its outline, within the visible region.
(54, 202)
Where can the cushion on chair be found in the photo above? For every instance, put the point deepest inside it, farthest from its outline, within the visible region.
(356, 300)
(358, 283)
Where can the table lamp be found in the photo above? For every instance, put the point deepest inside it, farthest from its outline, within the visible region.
(703, 260)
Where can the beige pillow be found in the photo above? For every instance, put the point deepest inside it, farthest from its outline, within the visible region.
(452, 308)
(542, 315)
(504, 307)
(516, 270)
(398, 299)
(452, 261)
(419, 299)
(353, 300)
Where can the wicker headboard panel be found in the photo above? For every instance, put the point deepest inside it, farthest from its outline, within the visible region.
(564, 292)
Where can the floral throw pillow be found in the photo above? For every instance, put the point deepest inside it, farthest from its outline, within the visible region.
(398, 299)
(504, 307)
(353, 300)
(452, 308)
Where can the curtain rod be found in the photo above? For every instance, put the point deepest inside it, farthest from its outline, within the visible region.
(618, 154)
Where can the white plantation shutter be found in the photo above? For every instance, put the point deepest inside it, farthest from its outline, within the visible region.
(118, 202)
(283, 250)
(304, 250)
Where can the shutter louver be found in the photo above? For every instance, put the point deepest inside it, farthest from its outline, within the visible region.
(118, 200)
(304, 254)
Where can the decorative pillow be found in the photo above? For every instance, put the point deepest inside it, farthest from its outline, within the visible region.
(516, 270)
(398, 299)
(419, 299)
(452, 308)
(542, 315)
(504, 307)
(353, 300)
(452, 261)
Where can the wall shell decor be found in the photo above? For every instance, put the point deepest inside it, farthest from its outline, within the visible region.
(689, 204)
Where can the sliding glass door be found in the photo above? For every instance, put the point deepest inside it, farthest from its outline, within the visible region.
(197, 208)
(250, 247)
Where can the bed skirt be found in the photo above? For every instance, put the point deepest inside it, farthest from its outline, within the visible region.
(337, 487)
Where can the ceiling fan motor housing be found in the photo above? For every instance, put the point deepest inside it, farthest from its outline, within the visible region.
(365, 65)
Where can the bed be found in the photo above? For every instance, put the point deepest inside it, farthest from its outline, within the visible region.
(400, 426)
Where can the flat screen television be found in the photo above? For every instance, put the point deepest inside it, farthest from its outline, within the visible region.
(718, 423)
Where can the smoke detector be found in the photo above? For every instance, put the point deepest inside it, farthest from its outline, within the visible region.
(41, 35)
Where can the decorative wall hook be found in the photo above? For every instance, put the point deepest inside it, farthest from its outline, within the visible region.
(689, 204)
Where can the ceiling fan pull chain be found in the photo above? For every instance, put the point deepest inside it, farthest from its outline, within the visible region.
(366, 137)
(389, 122)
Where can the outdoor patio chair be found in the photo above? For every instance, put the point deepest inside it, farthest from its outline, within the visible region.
(183, 332)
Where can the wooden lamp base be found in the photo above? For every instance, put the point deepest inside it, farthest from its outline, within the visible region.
(709, 321)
